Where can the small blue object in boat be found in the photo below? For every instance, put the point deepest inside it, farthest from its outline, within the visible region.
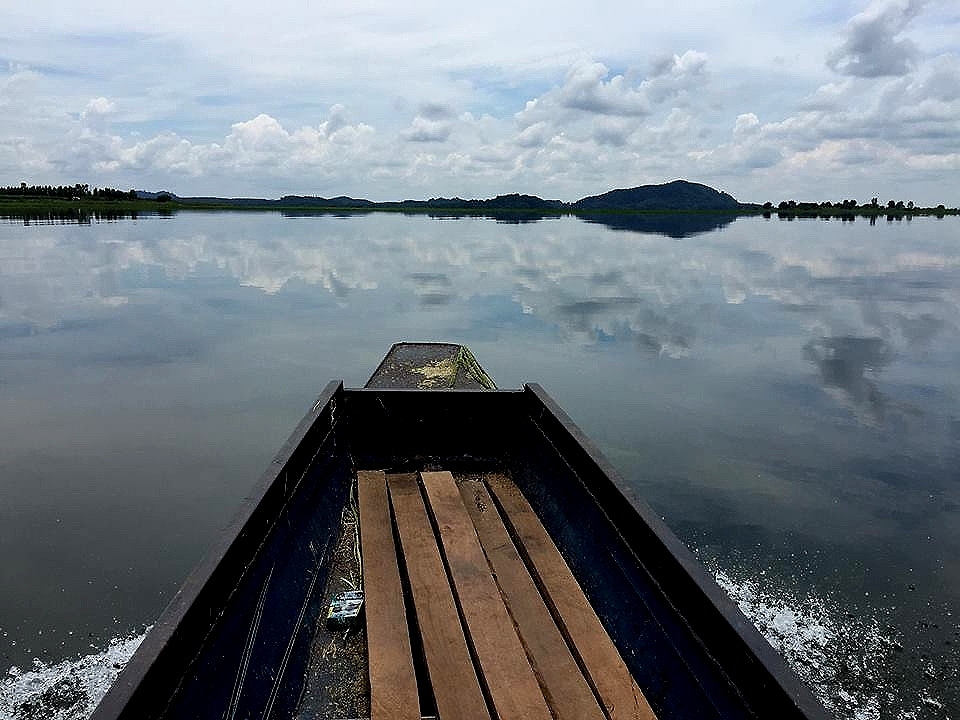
(344, 608)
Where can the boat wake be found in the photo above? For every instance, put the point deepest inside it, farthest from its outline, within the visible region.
(851, 663)
(848, 661)
(68, 690)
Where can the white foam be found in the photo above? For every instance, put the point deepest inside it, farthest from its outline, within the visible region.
(847, 660)
(68, 690)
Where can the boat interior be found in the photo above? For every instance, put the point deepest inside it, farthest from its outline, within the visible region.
(507, 571)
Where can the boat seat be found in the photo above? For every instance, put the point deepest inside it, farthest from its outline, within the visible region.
(503, 627)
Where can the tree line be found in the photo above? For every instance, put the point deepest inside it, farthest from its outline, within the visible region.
(852, 207)
(79, 191)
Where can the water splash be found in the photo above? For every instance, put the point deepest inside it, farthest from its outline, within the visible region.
(68, 690)
(850, 662)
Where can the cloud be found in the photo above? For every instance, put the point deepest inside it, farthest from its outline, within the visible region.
(424, 129)
(746, 124)
(830, 97)
(21, 91)
(587, 89)
(602, 125)
(671, 76)
(262, 138)
(24, 155)
(870, 134)
(435, 111)
(469, 105)
(873, 47)
(924, 106)
(534, 135)
(99, 106)
(260, 144)
(612, 131)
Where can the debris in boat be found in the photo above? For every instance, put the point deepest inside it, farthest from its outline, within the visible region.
(441, 365)
(441, 373)
(344, 608)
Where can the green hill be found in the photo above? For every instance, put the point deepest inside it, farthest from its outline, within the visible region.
(676, 195)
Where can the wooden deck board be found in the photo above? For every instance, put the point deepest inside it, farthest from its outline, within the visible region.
(567, 692)
(510, 681)
(449, 664)
(597, 654)
(393, 684)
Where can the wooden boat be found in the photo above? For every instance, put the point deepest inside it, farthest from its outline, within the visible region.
(508, 571)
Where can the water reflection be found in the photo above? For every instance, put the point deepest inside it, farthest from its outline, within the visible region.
(677, 225)
(74, 216)
(920, 331)
(843, 362)
(775, 389)
(848, 298)
(874, 314)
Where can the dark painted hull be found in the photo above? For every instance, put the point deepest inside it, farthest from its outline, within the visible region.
(236, 639)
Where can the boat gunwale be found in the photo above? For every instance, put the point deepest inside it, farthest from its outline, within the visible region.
(676, 550)
(169, 624)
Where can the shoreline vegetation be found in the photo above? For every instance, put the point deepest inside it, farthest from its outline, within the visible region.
(83, 204)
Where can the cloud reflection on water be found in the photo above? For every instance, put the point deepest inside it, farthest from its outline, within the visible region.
(843, 362)
(850, 292)
(775, 385)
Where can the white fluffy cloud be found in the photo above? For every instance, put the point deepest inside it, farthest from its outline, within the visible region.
(874, 45)
(99, 106)
(589, 88)
(586, 88)
(261, 145)
(423, 129)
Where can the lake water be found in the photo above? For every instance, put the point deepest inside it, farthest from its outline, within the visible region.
(785, 394)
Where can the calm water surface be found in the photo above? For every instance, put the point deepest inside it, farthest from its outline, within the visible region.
(785, 394)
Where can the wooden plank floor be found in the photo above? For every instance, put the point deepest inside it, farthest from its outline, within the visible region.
(510, 680)
(602, 664)
(393, 686)
(453, 677)
(567, 691)
(505, 629)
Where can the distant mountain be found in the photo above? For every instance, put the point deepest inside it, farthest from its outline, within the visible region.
(679, 195)
(676, 195)
(336, 202)
(514, 201)
(148, 195)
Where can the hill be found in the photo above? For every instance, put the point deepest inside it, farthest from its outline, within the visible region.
(514, 201)
(341, 201)
(676, 195)
(679, 195)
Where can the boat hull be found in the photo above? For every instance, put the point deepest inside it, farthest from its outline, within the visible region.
(236, 640)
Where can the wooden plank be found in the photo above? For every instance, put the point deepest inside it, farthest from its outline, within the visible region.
(595, 651)
(510, 681)
(449, 664)
(569, 695)
(393, 682)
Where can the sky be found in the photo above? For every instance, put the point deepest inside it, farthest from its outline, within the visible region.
(389, 101)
